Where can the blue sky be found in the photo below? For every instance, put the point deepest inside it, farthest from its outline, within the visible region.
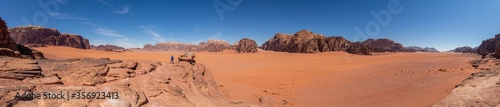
(443, 24)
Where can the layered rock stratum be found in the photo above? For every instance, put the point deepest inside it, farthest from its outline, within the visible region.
(135, 82)
(246, 45)
(38, 36)
(306, 41)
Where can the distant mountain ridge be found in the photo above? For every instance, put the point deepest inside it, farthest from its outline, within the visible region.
(416, 48)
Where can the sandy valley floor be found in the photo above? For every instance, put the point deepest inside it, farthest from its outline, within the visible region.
(323, 79)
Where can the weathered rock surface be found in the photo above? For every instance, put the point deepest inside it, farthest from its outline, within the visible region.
(481, 89)
(383, 45)
(109, 48)
(135, 83)
(307, 42)
(18, 69)
(37, 36)
(246, 45)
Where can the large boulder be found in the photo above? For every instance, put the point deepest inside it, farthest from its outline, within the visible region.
(246, 45)
(306, 41)
(40, 36)
(383, 45)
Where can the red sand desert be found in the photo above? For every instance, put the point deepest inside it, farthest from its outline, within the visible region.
(322, 79)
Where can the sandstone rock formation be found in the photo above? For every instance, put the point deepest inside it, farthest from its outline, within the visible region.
(416, 48)
(464, 49)
(246, 45)
(5, 39)
(9, 48)
(481, 89)
(383, 45)
(40, 36)
(214, 46)
(108, 47)
(489, 45)
(136, 83)
(307, 42)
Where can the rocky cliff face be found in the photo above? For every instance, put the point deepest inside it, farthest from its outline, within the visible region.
(40, 36)
(383, 45)
(246, 45)
(9, 48)
(307, 42)
(488, 46)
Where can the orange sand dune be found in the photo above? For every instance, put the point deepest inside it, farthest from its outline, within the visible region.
(323, 79)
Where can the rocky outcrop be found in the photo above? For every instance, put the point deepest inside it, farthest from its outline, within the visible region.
(109, 48)
(464, 49)
(419, 49)
(359, 48)
(383, 45)
(246, 45)
(481, 89)
(130, 83)
(9, 48)
(307, 42)
(5, 39)
(37, 36)
(489, 45)
(214, 46)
